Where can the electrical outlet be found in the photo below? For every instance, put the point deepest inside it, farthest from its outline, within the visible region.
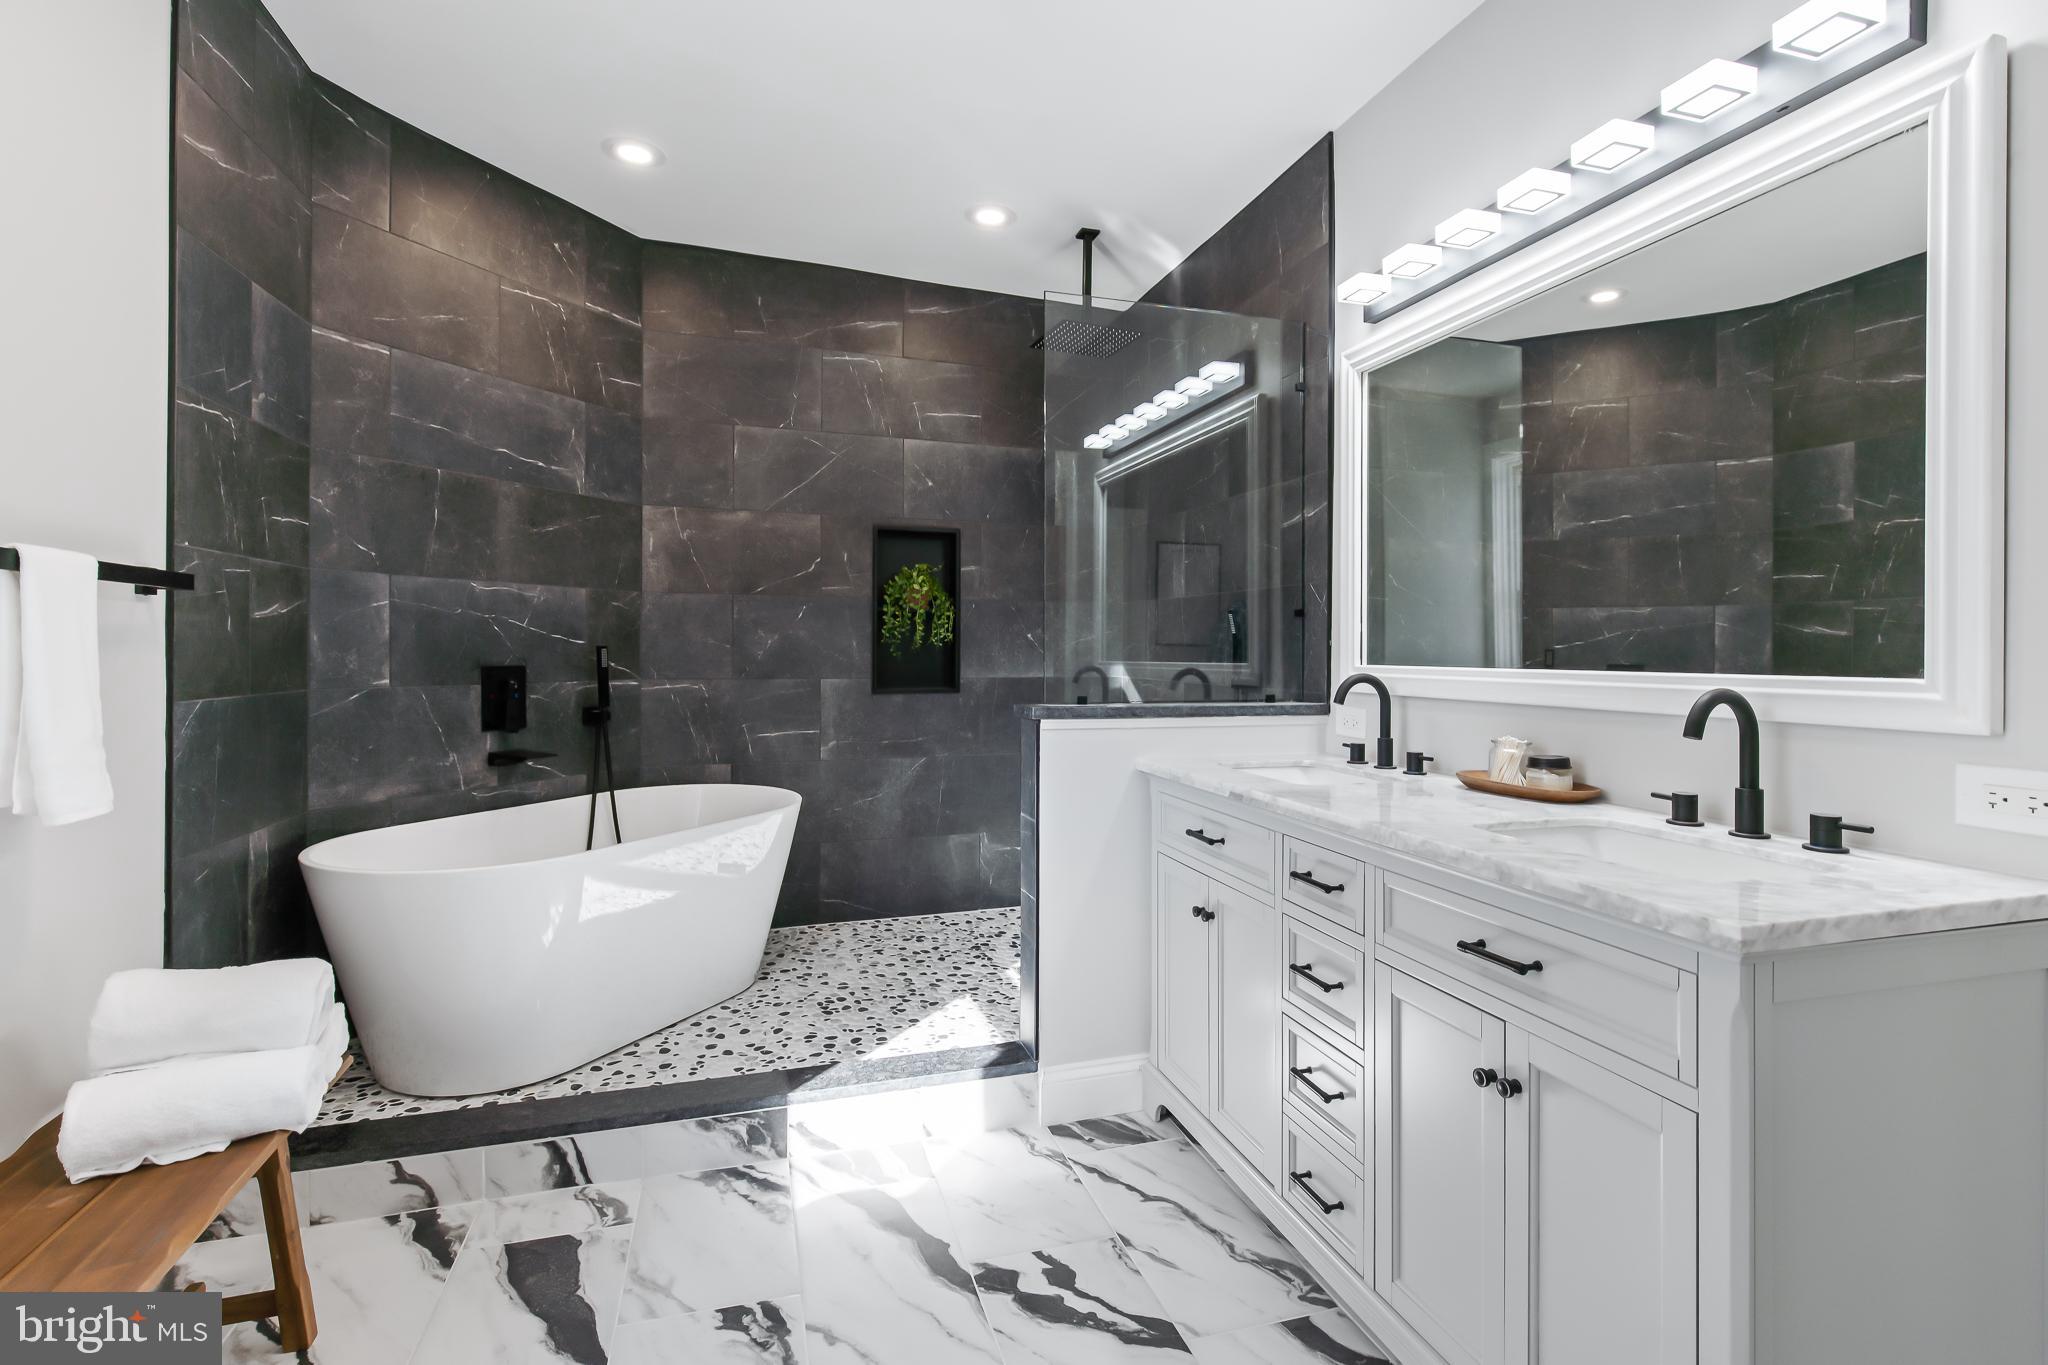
(2002, 798)
(1356, 722)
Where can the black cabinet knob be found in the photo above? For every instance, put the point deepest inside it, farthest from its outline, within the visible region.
(1685, 808)
(1484, 1076)
(1508, 1087)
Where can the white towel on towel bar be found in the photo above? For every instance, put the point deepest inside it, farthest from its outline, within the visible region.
(185, 1108)
(53, 753)
(149, 1014)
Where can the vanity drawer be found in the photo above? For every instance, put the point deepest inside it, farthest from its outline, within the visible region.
(1327, 977)
(1638, 1006)
(1225, 842)
(1328, 883)
(1327, 1083)
(1330, 1196)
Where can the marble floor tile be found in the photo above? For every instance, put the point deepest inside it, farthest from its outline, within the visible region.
(882, 1284)
(711, 1143)
(710, 1239)
(769, 1333)
(1215, 1263)
(550, 1300)
(374, 1189)
(1121, 1130)
(820, 1173)
(1330, 1338)
(1012, 1191)
(553, 1213)
(564, 1162)
(375, 1284)
(1083, 1304)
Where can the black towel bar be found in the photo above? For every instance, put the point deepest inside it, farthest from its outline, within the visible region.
(146, 580)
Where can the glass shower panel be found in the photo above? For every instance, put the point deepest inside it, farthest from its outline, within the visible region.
(1174, 462)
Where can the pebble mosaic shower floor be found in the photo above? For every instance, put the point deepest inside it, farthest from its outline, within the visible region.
(826, 993)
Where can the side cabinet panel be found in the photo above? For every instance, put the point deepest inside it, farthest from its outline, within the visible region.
(1246, 1102)
(1602, 1224)
(1440, 1168)
(1183, 1027)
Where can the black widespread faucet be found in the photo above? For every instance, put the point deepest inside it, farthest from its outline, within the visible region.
(1208, 690)
(1083, 672)
(1383, 756)
(1749, 790)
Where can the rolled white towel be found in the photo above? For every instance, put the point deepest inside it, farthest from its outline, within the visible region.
(152, 1014)
(195, 1105)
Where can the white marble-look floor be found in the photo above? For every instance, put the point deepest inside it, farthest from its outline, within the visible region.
(801, 1238)
(825, 993)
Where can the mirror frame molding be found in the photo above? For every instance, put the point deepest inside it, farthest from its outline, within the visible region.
(1961, 96)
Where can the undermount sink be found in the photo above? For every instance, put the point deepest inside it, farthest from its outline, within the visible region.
(1304, 772)
(1664, 855)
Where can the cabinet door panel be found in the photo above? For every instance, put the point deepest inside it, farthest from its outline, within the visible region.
(1183, 1027)
(1601, 1215)
(1439, 1168)
(1246, 1104)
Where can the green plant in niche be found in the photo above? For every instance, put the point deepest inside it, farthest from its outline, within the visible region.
(916, 610)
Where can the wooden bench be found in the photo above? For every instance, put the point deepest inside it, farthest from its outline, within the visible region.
(123, 1233)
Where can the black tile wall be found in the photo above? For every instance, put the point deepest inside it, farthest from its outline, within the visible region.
(1734, 493)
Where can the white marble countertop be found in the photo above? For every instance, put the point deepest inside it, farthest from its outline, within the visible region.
(1796, 899)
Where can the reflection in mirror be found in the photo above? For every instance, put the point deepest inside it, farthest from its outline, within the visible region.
(1708, 456)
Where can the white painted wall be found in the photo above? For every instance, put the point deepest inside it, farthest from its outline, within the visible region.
(82, 380)
(1509, 88)
(1095, 891)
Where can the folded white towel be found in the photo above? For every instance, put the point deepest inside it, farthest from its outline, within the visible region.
(151, 1014)
(53, 750)
(185, 1108)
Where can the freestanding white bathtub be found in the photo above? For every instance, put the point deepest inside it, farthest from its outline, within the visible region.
(482, 952)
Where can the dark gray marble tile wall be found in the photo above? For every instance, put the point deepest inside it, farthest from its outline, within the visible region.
(790, 409)
(1739, 492)
(1273, 259)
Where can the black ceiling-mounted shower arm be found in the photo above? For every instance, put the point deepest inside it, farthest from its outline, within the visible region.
(1082, 336)
(1086, 237)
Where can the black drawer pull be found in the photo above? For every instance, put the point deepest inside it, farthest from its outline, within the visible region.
(1477, 947)
(1212, 840)
(1325, 887)
(1302, 969)
(1301, 1073)
(1301, 1178)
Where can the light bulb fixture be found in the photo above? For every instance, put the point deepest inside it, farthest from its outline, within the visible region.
(1412, 261)
(1193, 386)
(1129, 423)
(1467, 228)
(1111, 432)
(1533, 191)
(1095, 440)
(992, 216)
(1364, 287)
(1613, 145)
(1151, 412)
(1816, 29)
(1706, 92)
(633, 151)
(1222, 372)
(1168, 399)
(1604, 296)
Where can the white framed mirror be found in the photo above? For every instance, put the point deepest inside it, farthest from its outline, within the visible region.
(1746, 426)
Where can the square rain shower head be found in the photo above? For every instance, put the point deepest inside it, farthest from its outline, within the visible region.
(1070, 336)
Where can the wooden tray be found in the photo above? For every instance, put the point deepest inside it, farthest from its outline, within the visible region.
(1478, 781)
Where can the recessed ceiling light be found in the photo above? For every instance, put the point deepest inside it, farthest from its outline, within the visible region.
(633, 151)
(1533, 191)
(1814, 30)
(1613, 145)
(992, 216)
(1704, 93)
(1603, 296)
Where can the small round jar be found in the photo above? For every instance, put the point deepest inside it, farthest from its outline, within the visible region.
(1549, 772)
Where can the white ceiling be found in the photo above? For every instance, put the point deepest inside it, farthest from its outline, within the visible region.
(859, 134)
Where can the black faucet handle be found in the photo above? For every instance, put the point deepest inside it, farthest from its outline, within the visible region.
(1416, 758)
(1354, 752)
(1824, 833)
(1685, 808)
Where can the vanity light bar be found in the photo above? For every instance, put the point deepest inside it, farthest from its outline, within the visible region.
(1212, 379)
(1151, 412)
(1814, 30)
(1193, 387)
(1534, 191)
(1221, 372)
(1613, 145)
(1713, 88)
(1467, 228)
(1168, 399)
(1412, 261)
(1095, 440)
(1364, 287)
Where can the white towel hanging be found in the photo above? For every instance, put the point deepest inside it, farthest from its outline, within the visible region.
(53, 754)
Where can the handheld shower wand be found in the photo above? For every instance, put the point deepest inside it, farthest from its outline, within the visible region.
(600, 716)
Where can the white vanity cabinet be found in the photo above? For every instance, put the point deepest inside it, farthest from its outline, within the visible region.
(1505, 1130)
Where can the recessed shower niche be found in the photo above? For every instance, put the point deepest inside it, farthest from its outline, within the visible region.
(916, 610)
